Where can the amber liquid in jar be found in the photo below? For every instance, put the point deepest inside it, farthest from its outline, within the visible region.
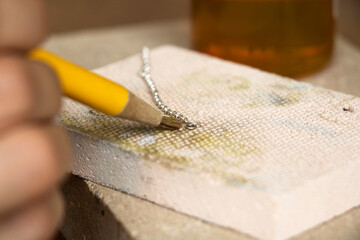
(288, 37)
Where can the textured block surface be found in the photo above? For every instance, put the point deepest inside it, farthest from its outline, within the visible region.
(271, 157)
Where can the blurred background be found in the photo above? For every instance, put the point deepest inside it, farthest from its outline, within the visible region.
(69, 15)
(292, 38)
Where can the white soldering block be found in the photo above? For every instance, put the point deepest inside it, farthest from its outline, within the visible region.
(270, 157)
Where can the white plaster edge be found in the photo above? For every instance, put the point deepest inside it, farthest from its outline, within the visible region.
(101, 162)
(270, 216)
(317, 200)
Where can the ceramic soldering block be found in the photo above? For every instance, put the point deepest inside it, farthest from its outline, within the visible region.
(270, 157)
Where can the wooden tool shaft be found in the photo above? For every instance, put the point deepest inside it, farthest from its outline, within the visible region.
(98, 92)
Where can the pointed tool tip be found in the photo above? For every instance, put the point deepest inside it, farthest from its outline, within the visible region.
(171, 123)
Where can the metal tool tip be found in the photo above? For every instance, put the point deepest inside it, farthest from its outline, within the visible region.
(171, 123)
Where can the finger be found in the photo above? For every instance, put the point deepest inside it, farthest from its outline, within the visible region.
(23, 23)
(28, 90)
(47, 90)
(36, 221)
(33, 160)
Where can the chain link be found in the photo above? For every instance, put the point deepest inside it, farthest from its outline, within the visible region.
(146, 75)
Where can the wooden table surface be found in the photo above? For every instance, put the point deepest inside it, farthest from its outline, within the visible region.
(97, 212)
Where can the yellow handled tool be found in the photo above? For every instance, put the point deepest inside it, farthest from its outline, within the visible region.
(102, 94)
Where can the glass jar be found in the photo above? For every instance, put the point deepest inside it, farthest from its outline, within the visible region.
(288, 37)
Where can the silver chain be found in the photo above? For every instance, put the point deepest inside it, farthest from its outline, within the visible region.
(146, 75)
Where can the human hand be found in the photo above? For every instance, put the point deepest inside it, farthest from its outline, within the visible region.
(34, 154)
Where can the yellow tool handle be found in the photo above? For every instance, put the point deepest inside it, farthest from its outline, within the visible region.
(84, 86)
